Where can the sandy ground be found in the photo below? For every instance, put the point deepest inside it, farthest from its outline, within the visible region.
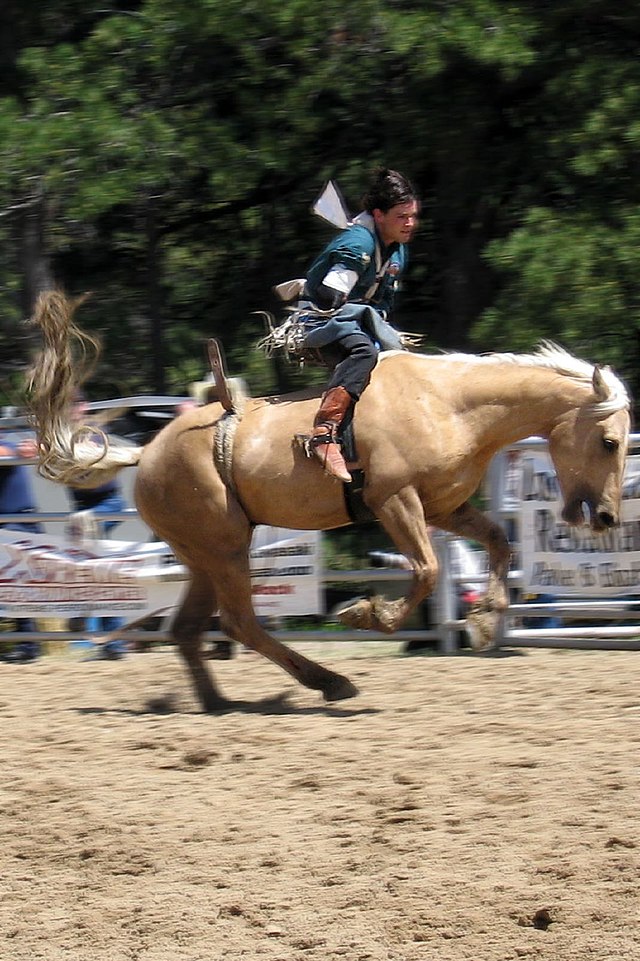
(460, 808)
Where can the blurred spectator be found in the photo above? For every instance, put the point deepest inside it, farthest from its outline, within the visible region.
(16, 494)
(538, 621)
(16, 497)
(105, 499)
(101, 501)
(184, 406)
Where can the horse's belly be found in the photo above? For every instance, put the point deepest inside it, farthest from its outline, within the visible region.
(301, 496)
(278, 484)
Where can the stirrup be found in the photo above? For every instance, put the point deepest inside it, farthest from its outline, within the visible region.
(310, 442)
(321, 440)
(331, 458)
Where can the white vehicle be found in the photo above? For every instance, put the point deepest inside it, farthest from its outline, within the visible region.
(129, 419)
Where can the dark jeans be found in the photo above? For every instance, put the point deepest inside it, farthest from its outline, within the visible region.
(353, 358)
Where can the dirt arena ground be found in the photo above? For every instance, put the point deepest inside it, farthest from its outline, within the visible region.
(460, 808)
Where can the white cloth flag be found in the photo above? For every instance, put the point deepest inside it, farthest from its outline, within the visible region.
(331, 206)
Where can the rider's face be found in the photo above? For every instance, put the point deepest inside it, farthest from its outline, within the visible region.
(397, 224)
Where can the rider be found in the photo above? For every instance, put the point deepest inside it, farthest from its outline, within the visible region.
(349, 293)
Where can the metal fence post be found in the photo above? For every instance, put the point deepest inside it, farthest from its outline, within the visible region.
(445, 598)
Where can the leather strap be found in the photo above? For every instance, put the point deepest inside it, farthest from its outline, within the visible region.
(219, 377)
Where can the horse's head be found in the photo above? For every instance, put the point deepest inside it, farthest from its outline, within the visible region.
(588, 446)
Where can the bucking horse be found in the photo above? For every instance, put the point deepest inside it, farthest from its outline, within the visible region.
(426, 428)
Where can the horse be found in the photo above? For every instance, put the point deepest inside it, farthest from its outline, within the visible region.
(427, 427)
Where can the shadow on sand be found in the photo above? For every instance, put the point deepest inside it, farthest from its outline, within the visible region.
(280, 704)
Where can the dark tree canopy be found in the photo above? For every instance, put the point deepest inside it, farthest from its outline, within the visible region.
(165, 156)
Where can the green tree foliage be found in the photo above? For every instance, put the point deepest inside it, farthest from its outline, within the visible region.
(568, 255)
(165, 156)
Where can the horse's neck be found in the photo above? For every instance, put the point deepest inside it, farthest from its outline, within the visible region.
(509, 402)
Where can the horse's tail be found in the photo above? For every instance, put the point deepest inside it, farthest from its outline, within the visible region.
(80, 456)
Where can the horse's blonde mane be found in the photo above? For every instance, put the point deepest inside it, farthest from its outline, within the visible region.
(556, 358)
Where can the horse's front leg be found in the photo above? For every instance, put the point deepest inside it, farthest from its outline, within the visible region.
(484, 619)
(402, 516)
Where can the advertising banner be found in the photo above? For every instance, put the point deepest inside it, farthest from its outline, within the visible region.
(74, 575)
(572, 561)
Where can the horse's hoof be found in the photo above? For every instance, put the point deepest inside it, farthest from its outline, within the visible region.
(357, 616)
(480, 628)
(221, 651)
(387, 615)
(340, 689)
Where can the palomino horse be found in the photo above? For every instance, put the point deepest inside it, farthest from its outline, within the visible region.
(426, 429)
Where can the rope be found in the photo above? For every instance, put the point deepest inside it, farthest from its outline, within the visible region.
(223, 446)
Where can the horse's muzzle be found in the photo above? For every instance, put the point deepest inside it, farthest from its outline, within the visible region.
(599, 518)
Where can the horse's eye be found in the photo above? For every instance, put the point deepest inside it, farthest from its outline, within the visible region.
(610, 445)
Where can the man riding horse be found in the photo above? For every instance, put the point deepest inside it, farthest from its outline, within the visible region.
(346, 301)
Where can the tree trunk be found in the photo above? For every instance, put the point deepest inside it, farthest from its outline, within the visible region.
(35, 268)
(154, 295)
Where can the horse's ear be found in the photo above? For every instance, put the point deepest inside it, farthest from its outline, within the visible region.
(600, 387)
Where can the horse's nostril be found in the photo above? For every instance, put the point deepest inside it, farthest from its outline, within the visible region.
(606, 519)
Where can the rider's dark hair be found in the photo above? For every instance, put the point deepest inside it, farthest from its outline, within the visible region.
(388, 188)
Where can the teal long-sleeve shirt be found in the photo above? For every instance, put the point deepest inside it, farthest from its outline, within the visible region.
(357, 248)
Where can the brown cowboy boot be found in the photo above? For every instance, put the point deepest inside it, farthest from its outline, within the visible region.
(335, 404)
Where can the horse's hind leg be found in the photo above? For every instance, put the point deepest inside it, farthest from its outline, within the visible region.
(238, 620)
(191, 620)
(483, 621)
